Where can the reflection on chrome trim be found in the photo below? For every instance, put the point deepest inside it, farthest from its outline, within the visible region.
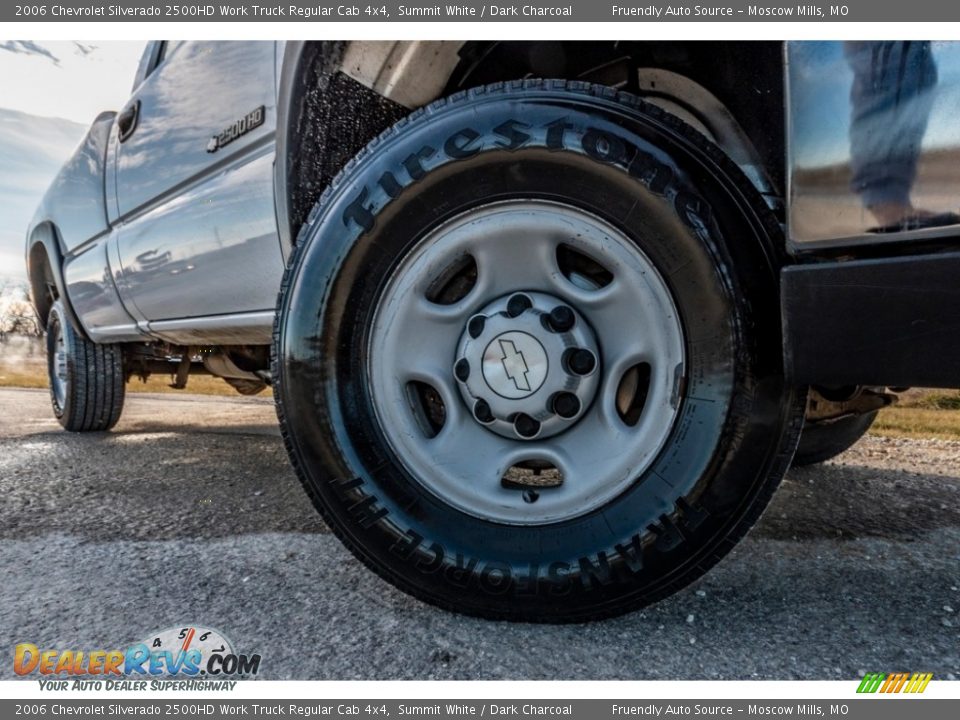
(873, 141)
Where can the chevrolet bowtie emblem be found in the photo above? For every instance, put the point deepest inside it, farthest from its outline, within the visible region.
(514, 364)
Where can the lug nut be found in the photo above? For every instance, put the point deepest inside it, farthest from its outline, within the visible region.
(481, 411)
(565, 404)
(518, 304)
(561, 318)
(475, 326)
(525, 425)
(580, 361)
(462, 369)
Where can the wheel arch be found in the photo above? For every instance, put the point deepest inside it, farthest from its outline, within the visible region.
(45, 274)
(352, 91)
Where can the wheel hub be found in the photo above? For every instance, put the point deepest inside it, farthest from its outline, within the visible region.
(520, 338)
(58, 377)
(527, 366)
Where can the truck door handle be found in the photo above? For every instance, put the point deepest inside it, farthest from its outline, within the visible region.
(127, 120)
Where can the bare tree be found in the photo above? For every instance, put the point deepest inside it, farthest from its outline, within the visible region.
(17, 315)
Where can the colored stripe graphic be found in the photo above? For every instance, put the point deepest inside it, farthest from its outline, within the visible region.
(871, 682)
(894, 683)
(919, 682)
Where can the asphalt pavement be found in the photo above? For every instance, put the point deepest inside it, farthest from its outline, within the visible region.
(188, 512)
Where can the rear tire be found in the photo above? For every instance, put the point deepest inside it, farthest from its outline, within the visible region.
(643, 202)
(823, 441)
(87, 383)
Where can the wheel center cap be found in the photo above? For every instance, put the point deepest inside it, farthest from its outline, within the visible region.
(515, 365)
(527, 366)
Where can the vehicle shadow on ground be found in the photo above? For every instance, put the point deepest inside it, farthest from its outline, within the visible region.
(846, 502)
(850, 568)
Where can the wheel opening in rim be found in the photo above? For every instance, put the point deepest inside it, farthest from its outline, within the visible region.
(539, 474)
(454, 282)
(582, 270)
(632, 393)
(427, 407)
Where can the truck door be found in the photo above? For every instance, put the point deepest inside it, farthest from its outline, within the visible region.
(192, 176)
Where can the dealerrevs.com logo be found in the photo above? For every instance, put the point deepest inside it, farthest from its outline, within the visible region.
(186, 652)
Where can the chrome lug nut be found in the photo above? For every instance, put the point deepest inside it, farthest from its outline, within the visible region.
(580, 361)
(481, 411)
(565, 404)
(518, 304)
(525, 425)
(462, 369)
(561, 318)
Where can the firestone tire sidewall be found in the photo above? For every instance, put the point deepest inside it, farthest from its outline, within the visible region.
(657, 182)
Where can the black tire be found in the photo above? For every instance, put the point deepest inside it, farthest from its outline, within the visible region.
(91, 396)
(697, 218)
(823, 441)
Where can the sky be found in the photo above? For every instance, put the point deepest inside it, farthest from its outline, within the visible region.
(72, 80)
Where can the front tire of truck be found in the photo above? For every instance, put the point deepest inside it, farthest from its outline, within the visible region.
(87, 383)
(528, 356)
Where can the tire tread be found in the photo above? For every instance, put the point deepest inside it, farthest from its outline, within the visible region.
(96, 390)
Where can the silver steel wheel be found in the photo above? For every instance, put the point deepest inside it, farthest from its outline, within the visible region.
(525, 362)
(58, 370)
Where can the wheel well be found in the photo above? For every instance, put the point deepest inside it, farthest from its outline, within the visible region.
(734, 89)
(714, 82)
(44, 283)
(326, 120)
(45, 273)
